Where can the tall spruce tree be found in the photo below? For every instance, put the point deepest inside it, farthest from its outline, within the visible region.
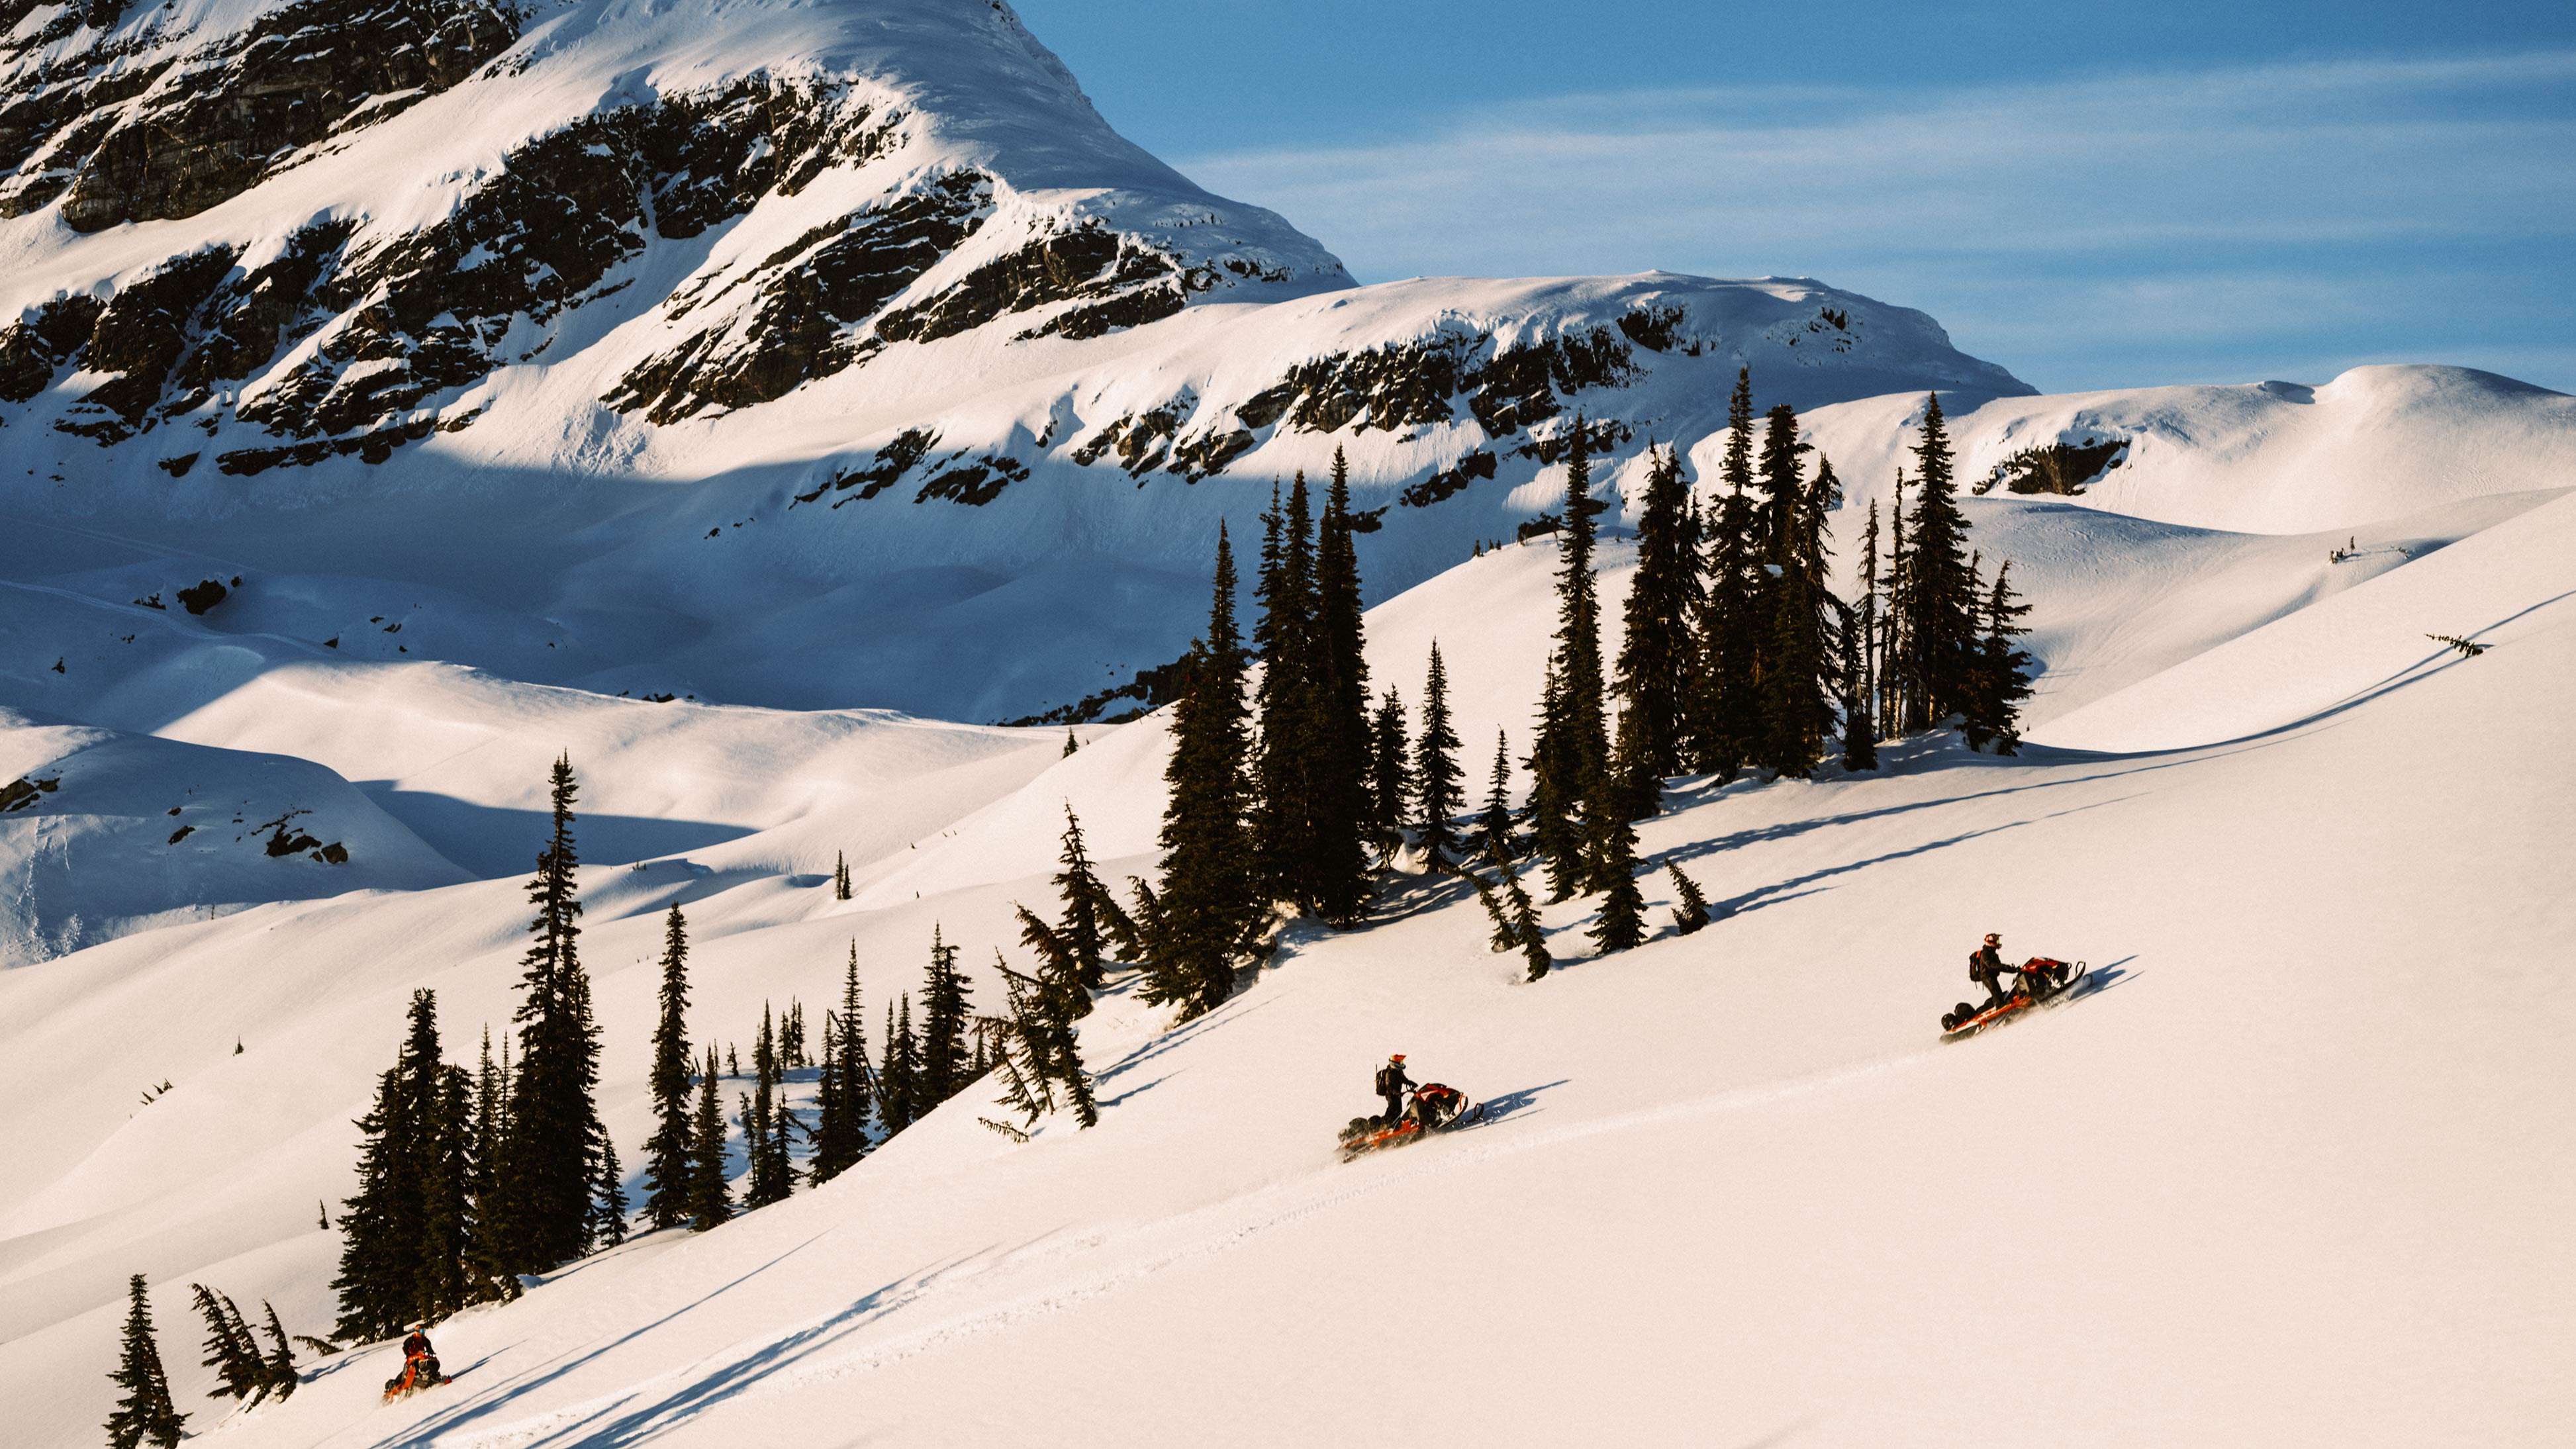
(666, 1152)
(1938, 666)
(1861, 657)
(1390, 771)
(1208, 897)
(1797, 658)
(1893, 586)
(841, 1099)
(1571, 759)
(1494, 827)
(1087, 905)
(1286, 761)
(549, 1161)
(1690, 912)
(946, 1014)
(1435, 769)
(1337, 872)
(404, 1234)
(1659, 657)
(2002, 678)
(768, 1178)
(1725, 716)
(899, 1103)
(145, 1412)
(488, 1274)
(710, 1201)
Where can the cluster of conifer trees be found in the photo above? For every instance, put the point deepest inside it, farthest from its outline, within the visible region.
(468, 1180)
(1736, 655)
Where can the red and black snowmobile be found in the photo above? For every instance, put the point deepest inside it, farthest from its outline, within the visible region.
(419, 1371)
(1435, 1108)
(2036, 982)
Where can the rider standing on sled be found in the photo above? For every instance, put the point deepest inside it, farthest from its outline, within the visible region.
(1986, 967)
(1392, 1084)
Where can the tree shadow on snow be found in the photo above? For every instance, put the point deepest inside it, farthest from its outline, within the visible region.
(1789, 890)
(500, 1397)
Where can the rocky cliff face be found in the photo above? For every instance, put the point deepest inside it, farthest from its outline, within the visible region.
(265, 255)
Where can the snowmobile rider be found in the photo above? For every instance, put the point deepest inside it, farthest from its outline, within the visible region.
(416, 1343)
(1986, 968)
(1392, 1084)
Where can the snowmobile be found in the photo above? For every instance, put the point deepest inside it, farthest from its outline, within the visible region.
(1436, 1108)
(420, 1371)
(2036, 982)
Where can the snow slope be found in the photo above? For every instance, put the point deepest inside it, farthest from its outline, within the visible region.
(2270, 1183)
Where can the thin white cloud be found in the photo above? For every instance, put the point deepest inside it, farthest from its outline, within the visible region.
(2161, 208)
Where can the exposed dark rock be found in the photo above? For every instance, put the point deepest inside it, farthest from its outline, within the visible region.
(139, 336)
(1086, 263)
(976, 483)
(1208, 453)
(1151, 689)
(284, 840)
(1448, 481)
(35, 348)
(203, 595)
(801, 327)
(1651, 328)
(178, 467)
(24, 791)
(182, 833)
(98, 131)
(2060, 468)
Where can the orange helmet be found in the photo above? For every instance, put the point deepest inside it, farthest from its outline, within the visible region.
(1399, 1056)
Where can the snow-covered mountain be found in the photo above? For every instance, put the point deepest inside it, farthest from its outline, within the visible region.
(456, 294)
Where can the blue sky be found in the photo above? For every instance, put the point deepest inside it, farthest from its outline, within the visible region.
(2093, 196)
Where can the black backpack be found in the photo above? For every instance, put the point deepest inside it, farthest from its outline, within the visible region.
(1386, 1079)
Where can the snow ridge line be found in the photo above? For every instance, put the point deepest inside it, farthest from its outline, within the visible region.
(1044, 1302)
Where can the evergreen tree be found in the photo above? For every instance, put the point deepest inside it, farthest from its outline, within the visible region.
(1725, 722)
(1494, 827)
(1390, 772)
(710, 1203)
(487, 1272)
(666, 1153)
(841, 1096)
(1691, 912)
(1622, 921)
(1525, 922)
(608, 1209)
(841, 868)
(240, 1372)
(278, 1369)
(2002, 679)
(1571, 759)
(1938, 668)
(404, 1235)
(1087, 905)
(1038, 1055)
(1208, 899)
(1658, 657)
(769, 1180)
(1894, 585)
(945, 1016)
(444, 1279)
(899, 1103)
(1286, 761)
(1860, 658)
(791, 1037)
(146, 1411)
(1860, 734)
(1435, 768)
(1338, 871)
(1796, 658)
(549, 1161)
